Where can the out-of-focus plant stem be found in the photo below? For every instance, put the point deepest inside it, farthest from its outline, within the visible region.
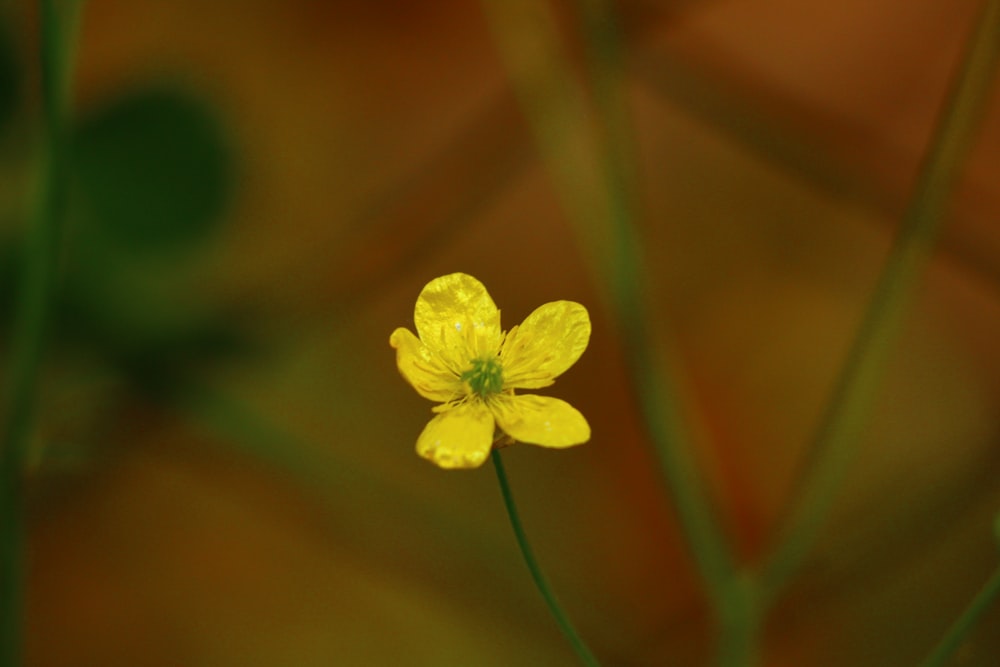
(741, 615)
(590, 159)
(964, 624)
(847, 411)
(541, 582)
(58, 22)
(732, 594)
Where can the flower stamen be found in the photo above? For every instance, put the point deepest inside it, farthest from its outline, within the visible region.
(485, 378)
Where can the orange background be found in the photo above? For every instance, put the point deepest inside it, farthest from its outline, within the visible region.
(277, 514)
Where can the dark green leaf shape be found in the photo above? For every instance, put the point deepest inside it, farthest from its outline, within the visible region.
(10, 77)
(154, 170)
(150, 343)
(9, 265)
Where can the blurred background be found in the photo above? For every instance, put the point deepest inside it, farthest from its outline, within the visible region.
(224, 471)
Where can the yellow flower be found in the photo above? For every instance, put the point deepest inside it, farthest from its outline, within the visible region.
(463, 360)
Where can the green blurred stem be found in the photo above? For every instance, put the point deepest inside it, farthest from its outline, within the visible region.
(656, 394)
(589, 160)
(846, 414)
(586, 657)
(964, 624)
(736, 605)
(741, 617)
(35, 286)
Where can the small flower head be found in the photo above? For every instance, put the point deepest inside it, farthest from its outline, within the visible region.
(462, 359)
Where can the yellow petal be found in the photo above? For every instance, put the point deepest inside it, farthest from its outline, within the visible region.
(458, 438)
(547, 343)
(423, 369)
(457, 320)
(540, 420)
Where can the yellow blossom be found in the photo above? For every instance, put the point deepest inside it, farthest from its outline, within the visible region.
(463, 360)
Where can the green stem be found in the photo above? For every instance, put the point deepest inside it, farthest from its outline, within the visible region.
(846, 414)
(31, 317)
(964, 624)
(586, 657)
(740, 622)
(591, 169)
(657, 394)
(733, 596)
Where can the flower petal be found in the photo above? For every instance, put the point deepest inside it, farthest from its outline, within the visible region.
(540, 420)
(457, 320)
(547, 343)
(458, 438)
(423, 369)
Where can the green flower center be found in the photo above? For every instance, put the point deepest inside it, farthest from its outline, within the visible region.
(485, 377)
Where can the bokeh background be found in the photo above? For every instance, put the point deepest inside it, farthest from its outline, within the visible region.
(224, 470)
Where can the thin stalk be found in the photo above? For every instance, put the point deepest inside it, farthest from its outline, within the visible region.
(964, 624)
(37, 278)
(586, 657)
(733, 595)
(590, 166)
(846, 414)
(740, 619)
(656, 393)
